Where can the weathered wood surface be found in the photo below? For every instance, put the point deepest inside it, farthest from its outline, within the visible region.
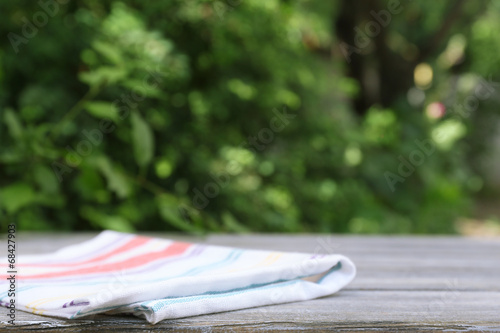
(403, 284)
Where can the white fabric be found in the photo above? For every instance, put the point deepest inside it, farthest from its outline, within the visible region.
(162, 279)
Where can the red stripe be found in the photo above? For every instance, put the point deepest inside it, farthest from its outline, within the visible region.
(172, 250)
(134, 242)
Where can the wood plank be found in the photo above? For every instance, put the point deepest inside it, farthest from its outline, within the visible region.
(401, 263)
(403, 283)
(347, 310)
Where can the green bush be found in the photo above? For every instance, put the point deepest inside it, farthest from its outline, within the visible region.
(208, 116)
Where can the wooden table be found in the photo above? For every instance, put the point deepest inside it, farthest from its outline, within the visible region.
(402, 284)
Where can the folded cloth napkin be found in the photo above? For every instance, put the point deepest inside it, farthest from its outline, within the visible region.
(164, 279)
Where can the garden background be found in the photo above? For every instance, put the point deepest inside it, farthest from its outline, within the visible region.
(250, 115)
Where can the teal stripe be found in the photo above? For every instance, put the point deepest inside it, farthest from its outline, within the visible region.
(160, 304)
(216, 294)
(3, 295)
(174, 298)
(331, 270)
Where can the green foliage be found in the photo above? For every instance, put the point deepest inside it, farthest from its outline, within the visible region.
(209, 116)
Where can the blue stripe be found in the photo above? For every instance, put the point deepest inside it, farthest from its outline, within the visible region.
(176, 299)
(216, 294)
(233, 256)
(160, 304)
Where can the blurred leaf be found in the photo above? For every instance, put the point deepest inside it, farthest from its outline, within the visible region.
(109, 51)
(53, 201)
(140, 87)
(29, 219)
(117, 182)
(13, 156)
(232, 224)
(103, 75)
(102, 110)
(168, 208)
(142, 140)
(16, 196)
(91, 185)
(46, 179)
(13, 124)
(105, 221)
(446, 133)
(363, 226)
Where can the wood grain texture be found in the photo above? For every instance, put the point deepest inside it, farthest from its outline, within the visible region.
(403, 284)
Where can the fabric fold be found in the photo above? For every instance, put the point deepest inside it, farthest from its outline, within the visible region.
(161, 279)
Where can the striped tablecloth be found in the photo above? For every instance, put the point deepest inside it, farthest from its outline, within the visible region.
(163, 279)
